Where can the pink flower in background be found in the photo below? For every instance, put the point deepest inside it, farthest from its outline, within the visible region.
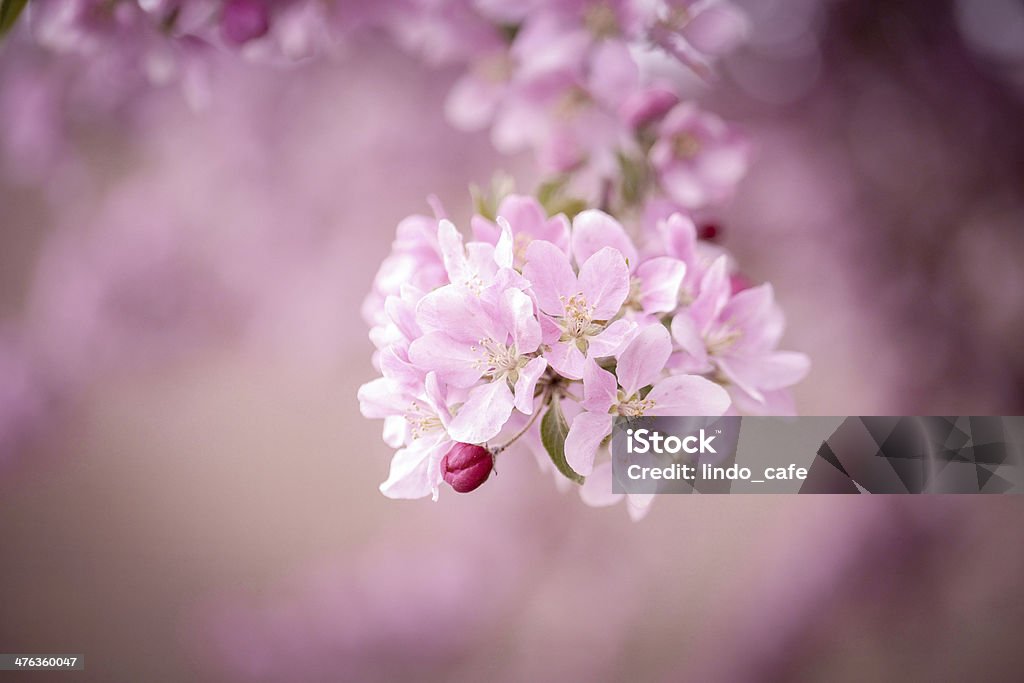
(244, 20)
(699, 158)
(698, 32)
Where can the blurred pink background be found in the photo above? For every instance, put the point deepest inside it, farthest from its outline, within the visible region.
(188, 491)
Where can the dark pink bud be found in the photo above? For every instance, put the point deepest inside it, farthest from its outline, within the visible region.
(710, 232)
(244, 20)
(466, 466)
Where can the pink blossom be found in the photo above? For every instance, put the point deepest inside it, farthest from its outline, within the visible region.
(527, 221)
(420, 428)
(641, 364)
(698, 157)
(467, 339)
(579, 309)
(736, 336)
(697, 32)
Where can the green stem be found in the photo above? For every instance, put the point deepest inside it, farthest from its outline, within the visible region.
(533, 418)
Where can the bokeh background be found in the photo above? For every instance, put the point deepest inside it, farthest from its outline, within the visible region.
(187, 489)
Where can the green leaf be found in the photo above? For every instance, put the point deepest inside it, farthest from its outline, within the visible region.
(9, 11)
(551, 195)
(634, 179)
(553, 430)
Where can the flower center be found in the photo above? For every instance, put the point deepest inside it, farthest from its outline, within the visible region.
(677, 18)
(634, 406)
(496, 68)
(685, 146)
(421, 420)
(498, 360)
(601, 21)
(572, 103)
(578, 322)
(719, 341)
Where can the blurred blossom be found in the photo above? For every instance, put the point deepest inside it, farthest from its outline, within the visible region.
(994, 28)
(698, 157)
(131, 292)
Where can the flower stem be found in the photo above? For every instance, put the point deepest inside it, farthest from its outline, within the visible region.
(533, 418)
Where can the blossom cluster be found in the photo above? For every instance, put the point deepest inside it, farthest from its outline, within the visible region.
(580, 83)
(545, 328)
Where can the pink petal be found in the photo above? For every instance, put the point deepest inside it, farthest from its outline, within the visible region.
(596, 491)
(524, 214)
(638, 505)
(617, 73)
(593, 230)
(715, 291)
(611, 339)
(680, 235)
(566, 359)
(403, 314)
(776, 370)
(643, 360)
(526, 385)
(484, 413)
(604, 281)
(455, 362)
(412, 473)
(472, 101)
(503, 251)
(548, 270)
(516, 314)
(599, 388)
(660, 280)
(585, 436)
(450, 309)
(686, 334)
(452, 252)
(380, 398)
(717, 30)
(688, 395)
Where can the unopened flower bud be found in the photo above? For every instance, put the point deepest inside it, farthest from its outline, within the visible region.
(466, 466)
(710, 232)
(244, 20)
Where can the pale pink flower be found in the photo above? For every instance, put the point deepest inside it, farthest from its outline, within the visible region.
(579, 309)
(606, 395)
(736, 336)
(468, 339)
(527, 221)
(654, 282)
(699, 158)
(698, 32)
(421, 424)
